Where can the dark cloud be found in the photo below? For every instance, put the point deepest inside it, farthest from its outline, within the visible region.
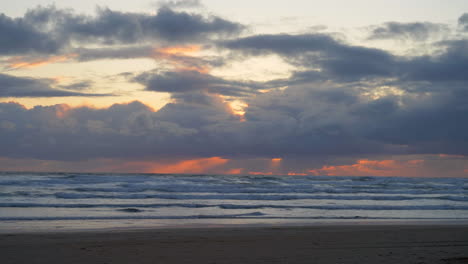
(337, 59)
(419, 31)
(342, 100)
(428, 124)
(77, 86)
(86, 54)
(301, 121)
(340, 121)
(182, 26)
(329, 59)
(449, 66)
(19, 36)
(463, 22)
(12, 86)
(284, 44)
(63, 133)
(51, 30)
(189, 81)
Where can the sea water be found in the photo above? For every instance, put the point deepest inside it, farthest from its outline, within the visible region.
(44, 201)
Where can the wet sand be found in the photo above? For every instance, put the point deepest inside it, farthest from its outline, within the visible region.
(430, 244)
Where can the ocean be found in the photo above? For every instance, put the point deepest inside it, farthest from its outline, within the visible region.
(68, 201)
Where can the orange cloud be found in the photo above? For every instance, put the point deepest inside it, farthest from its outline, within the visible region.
(234, 171)
(189, 166)
(22, 62)
(373, 168)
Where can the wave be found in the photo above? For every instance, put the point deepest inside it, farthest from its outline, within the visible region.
(256, 215)
(39, 218)
(241, 206)
(299, 188)
(252, 197)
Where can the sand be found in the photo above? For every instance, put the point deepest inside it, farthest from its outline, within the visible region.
(314, 244)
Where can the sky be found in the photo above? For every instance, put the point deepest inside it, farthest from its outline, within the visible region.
(339, 88)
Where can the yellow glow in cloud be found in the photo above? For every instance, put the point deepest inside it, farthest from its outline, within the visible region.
(179, 57)
(238, 108)
(180, 50)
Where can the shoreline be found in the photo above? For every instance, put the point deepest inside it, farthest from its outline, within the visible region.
(77, 226)
(276, 244)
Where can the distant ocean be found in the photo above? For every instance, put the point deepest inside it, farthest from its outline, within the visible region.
(45, 201)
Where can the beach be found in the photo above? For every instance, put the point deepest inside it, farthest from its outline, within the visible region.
(415, 244)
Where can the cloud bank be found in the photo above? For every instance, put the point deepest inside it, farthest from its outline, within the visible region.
(48, 30)
(342, 101)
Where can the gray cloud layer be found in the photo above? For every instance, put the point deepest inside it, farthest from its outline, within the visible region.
(341, 100)
(51, 30)
(301, 121)
(189, 81)
(11, 86)
(419, 31)
(342, 62)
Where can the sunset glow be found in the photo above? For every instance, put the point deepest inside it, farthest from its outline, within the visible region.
(189, 166)
(196, 87)
(207, 131)
(178, 50)
(372, 168)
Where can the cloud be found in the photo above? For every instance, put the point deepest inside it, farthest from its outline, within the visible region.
(417, 31)
(77, 86)
(373, 168)
(337, 59)
(19, 36)
(189, 81)
(326, 58)
(342, 101)
(12, 86)
(182, 26)
(448, 66)
(132, 52)
(463, 22)
(126, 130)
(18, 62)
(48, 30)
(180, 3)
(283, 44)
(176, 57)
(302, 122)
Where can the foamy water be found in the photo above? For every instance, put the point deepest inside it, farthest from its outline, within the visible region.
(58, 199)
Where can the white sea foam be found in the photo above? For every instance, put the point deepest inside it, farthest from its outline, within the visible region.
(71, 196)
